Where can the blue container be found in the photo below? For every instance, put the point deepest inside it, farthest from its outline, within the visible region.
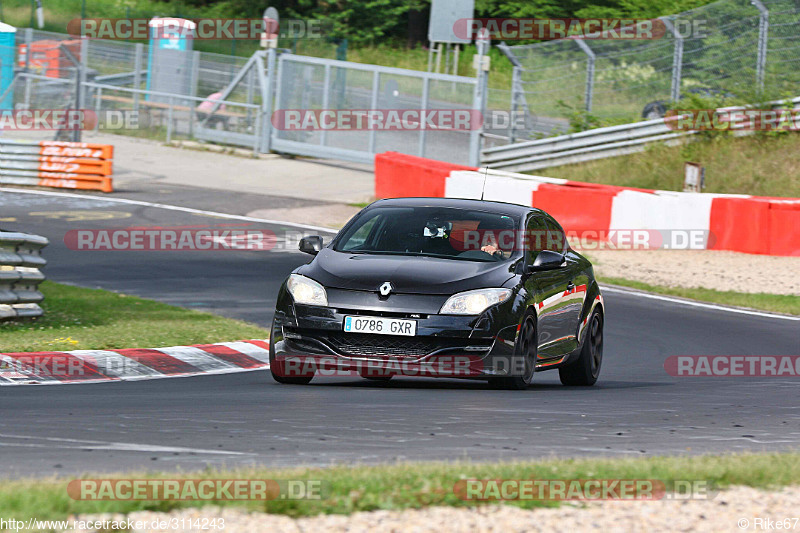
(8, 54)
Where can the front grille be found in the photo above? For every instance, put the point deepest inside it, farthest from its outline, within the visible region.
(368, 344)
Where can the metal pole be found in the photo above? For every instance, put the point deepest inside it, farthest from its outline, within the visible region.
(97, 105)
(325, 101)
(589, 73)
(373, 106)
(195, 74)
(256, 134)
(425, 86)
(482, 43)
(137, 74)
(82, 68)
(515, 88)
(169, 122)
(763, 36)
(28, 43)
(251, 87)
(677, 62)
(268, 82)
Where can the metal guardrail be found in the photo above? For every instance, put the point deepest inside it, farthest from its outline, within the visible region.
(588, 145)
(20, 275)
(578, 147)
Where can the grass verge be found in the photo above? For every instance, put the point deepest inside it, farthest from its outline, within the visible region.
(762, 165)
(776, 303)
(84, 319)
(366, 488)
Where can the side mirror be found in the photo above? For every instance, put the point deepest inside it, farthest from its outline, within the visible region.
(311, 245)
(546, 260)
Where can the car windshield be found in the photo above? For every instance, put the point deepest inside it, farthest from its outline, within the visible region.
(444, 232)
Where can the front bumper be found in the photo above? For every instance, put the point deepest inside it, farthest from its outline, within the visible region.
(311, 338)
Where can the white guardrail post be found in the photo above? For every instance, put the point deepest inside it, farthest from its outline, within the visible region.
(20, 261)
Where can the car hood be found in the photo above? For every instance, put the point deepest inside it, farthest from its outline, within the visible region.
(408, 274)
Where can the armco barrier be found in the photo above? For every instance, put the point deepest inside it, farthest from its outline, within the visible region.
(66, 165)
(20, 261)
(737, 223)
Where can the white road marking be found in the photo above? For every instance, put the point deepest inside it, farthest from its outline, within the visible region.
(697, 304)
(119, 446)
(170, 208)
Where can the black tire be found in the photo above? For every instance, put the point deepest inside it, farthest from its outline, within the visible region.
(527, 347)
(275, 368)
(654, 110)
(585, 371)
(383, 379)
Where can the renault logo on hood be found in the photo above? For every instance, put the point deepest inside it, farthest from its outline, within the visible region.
(385, 289)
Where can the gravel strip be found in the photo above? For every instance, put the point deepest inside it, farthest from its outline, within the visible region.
(722, 513)
(711, 269)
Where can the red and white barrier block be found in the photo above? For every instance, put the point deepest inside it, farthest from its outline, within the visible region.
(682, 220)
(85, 366)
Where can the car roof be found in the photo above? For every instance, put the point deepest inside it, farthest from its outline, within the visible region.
(501, 208)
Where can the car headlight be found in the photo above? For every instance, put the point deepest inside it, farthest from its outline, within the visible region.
(474, 302)
(306, 291)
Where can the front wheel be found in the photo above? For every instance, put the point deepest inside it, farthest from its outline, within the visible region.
(585, 371)
(527, 346)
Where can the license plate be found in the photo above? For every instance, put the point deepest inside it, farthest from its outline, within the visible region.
(380, 325)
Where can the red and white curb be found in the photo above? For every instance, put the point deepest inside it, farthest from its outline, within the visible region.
(91, 366)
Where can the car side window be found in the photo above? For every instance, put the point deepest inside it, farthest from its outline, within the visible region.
(556, 238)
(359, 238)
(535, 239)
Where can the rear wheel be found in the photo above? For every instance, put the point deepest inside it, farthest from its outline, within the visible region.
(527, 345)
(278, 370)
(585, 371)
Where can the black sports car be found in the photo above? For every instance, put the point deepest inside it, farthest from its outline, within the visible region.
(441, 287)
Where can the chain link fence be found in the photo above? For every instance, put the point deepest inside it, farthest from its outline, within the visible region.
(736, 49)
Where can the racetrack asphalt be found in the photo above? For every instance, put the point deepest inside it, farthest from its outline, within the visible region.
(636, 409)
